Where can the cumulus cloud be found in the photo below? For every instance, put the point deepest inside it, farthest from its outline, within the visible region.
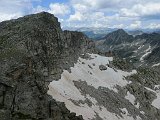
(90, 13)
(115, 11)
(119, 26)
(91, 19)
(135, 25)
(59, 9)
(85, 13)
(39, 9)
(54, 8)
(142, 10)
(76, 17)
(7, 16)
(10, 9)
(105, 4)
(153, 26)
(94, 12)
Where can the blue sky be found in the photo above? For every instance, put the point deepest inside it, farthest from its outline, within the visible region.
(128, 14)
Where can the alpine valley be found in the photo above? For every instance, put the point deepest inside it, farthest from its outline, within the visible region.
(47, 73)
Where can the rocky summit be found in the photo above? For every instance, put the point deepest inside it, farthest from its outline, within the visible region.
(50, 74)
(33, 51)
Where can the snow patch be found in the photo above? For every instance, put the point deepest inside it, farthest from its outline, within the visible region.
(131, 99)
(147, 52)
(155, 65)
(156, 102)
(142, 112)
(157, 87)
(140, 47)
(65, 91)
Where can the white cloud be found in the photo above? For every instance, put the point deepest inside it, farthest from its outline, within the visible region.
(86, 15)
(90, 13)
(142, 10)
(89, 19)
(118, 26)
(5, 16)
(11, 9)
(103, 4)
(59, 9)
(135, 25)
(80, 8)
(115, 12)
(54, 8)
(76, 17)
(39, 9)
(153, 26)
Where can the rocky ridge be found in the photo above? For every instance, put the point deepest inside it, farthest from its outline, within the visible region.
(142, 50)
(33, 52)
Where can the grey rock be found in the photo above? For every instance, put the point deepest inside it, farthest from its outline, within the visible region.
(35, 51)
(102, 67)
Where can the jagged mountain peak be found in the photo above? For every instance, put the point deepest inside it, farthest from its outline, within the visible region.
(39, 20)
(34, 51)
(120, 31)
(118, 37)
(39, 16)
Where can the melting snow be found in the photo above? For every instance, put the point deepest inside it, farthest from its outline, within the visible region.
(130, 97)
(155, 65)
(141, 47)
(64, 90)
(156, 102)
(147, 52)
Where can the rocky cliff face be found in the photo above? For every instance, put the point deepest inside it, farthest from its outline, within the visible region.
(33, 52)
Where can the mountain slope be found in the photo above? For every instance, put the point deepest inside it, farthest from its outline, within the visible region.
(135, 32)
(95, 33)
(97, 90)
(118, 37)
(138, 49)
(34, 50)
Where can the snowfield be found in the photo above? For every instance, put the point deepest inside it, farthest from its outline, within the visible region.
(64, 90)
(147, 52)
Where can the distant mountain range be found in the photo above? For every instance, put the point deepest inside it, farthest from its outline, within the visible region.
(96, 33)
(135, 32)
(99, 33)
(143, 49)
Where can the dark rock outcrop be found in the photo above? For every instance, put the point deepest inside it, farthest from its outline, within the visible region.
(33, 52)
(102, 67)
